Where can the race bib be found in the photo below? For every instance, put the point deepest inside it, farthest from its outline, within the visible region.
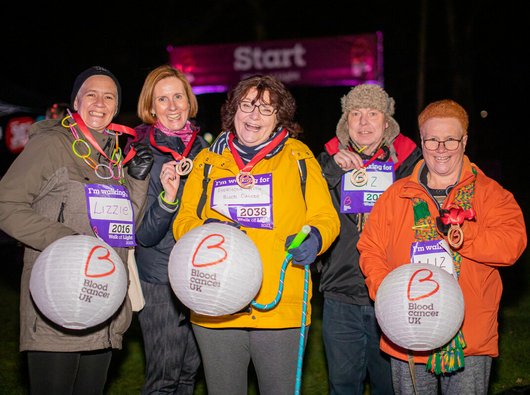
(249, 207)
(433, 252)
(111, 214)
(361, 199)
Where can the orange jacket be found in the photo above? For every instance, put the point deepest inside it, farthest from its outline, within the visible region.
(496, 238)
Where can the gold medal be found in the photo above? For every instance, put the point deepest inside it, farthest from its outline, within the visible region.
(455, 216)
(359, 177)
(245, 180)
(455, 236)
(184, 166)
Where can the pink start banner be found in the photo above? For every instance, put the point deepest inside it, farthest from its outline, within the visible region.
(330, 61)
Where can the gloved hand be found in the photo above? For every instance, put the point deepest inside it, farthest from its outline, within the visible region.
(306, 253)
(141, 163)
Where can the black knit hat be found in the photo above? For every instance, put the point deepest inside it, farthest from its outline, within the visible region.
(94, 70)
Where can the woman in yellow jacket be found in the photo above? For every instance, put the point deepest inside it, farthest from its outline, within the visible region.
(257, 153)
(448, 199)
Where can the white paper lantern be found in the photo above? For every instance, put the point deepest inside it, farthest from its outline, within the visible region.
(78, 281)
(419, 307)
(215, 269)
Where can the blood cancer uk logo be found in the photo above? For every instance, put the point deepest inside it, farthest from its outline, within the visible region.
(421, 285)
(210, 251)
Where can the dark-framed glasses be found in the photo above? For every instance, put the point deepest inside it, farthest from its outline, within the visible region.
(264, 109)
(450, 144)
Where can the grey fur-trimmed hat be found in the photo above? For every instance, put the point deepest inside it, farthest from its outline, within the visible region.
(367, 96)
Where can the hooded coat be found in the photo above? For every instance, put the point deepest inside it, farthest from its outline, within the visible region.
(42, 199)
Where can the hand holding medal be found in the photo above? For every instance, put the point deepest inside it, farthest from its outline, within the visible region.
(170, 179)
(359, 177)
(183, 164)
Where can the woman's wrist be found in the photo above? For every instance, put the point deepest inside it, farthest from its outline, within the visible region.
(163, 198)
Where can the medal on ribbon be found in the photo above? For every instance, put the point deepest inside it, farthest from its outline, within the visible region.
(456, 217)
(245, 179)
(359, 177)
(185, 164)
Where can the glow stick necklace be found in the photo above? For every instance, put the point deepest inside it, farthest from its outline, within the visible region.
(104, 171)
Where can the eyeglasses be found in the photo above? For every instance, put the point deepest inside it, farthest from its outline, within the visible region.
(449, 144)
(264, 109)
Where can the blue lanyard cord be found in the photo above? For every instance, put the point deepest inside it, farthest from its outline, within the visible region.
(299, 238)
(270, 305)
(302, 334)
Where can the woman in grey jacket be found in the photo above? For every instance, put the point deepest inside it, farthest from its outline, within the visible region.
(42, 199)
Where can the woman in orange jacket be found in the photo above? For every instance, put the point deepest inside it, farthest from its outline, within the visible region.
(447, 198)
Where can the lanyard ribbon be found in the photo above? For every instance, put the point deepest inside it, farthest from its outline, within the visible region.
(358, 176)
(178, 157)
(111, 126)
(379, 152)
(259, 156)
(456, 216)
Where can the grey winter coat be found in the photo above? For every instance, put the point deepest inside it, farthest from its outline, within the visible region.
(42, 199)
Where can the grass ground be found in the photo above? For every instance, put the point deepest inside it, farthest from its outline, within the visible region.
(510, 372)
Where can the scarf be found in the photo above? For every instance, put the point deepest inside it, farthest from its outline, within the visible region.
(185, 133)
(449, 358)
(247, 153)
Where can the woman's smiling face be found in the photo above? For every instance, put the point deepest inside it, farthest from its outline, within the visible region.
(253, 128)
(444, 165)
(171, 104)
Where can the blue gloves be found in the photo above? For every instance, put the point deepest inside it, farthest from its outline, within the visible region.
(306, 253)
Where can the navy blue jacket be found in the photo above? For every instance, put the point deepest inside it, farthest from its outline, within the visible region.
(155, 236)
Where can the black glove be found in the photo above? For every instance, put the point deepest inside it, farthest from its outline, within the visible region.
(141, 163)
(306, 253)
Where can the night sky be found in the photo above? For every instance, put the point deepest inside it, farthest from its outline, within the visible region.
(473, 53)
